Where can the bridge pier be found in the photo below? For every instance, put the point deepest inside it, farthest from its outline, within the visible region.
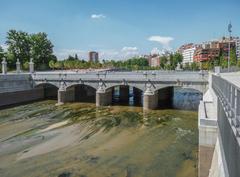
(103, 97)
(150, 100)
(124, 93)
(65, 96)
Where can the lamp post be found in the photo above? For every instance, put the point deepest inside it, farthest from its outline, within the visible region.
(229, 44)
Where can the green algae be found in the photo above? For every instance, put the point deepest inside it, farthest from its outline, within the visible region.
(119, 141)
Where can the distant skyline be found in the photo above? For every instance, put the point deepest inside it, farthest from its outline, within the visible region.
(120, 29)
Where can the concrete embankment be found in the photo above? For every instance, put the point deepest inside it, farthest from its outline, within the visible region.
(15, 89)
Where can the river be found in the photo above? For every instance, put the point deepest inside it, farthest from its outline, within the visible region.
(40, 139)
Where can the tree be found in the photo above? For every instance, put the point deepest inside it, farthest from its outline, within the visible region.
(194, 66)
(223, 61)
(41, 50)
(238, 63)
(233, 57)
(163, 62)
(19, 45)
(52, 64)
(175, 59)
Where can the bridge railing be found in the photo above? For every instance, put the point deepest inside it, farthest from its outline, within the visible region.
(229, 95)
(228, 122)
(123, 75)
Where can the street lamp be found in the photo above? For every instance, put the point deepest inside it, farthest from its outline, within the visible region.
(229, 44)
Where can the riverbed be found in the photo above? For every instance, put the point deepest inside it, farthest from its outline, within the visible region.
(41, 139)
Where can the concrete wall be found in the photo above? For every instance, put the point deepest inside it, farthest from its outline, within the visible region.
(16, 89)
(14, 82)
(230, 143)
(10, 98)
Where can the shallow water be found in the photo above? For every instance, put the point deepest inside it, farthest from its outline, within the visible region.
(76, 139)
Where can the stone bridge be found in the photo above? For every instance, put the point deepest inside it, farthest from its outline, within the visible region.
(102, 83)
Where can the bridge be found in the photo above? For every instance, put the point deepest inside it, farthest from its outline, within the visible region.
(219, 127)
(101, 84)
(218, 113)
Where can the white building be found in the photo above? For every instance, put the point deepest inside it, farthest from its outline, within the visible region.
(188, 55)
(237, 40)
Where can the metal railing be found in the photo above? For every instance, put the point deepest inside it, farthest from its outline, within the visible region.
(229, 96)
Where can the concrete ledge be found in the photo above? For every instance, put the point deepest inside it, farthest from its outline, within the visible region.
(17, 97)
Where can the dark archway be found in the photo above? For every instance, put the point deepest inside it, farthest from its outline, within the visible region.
(82, 93)
(48, 91)
(186, 98)
(179, 98)
(126, 95)
(165, 97)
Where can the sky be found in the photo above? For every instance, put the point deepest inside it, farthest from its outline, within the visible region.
(120, 28)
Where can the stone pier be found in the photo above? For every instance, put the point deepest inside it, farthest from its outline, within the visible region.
(124, 93)
(66, 95)
(103, 97)
(150, 99)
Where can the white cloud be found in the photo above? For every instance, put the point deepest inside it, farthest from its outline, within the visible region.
(155, 51)
(128, 52)
(165, 41)
(97, 16)
(161, 52)
(127, 49)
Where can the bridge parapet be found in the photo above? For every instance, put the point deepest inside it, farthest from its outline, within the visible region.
(140, 80)
(228, 122)
(229, 96)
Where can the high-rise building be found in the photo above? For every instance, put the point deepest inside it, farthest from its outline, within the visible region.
(205, 54)
(187, 52)
(93, 56)
(237, 42)
(224, 46)
(188, 55)
(154, 60)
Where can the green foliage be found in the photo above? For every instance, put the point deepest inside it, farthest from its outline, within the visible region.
(131, 64)
(233, 58)
(238, 63)
(24, 46)
(41, 50)
(191, 66)
(175, 59)
(163, 62)
(19, 46)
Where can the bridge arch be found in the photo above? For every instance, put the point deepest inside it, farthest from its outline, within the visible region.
(47, 90)
(81, 93)
(74, 85)
(178, 97)
(139, 87)
(125, 94)
(199, 88)
(42, 84)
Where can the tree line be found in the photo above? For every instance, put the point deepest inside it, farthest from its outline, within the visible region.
(23, 46)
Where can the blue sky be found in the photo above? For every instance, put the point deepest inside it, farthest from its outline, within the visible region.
(120, 28)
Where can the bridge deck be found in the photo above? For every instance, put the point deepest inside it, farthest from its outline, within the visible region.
(233, 78)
